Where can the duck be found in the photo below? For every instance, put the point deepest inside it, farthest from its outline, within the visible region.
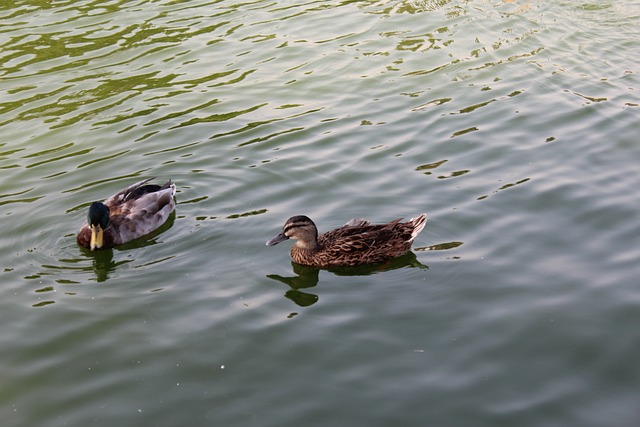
(355, 243)
(131, 213)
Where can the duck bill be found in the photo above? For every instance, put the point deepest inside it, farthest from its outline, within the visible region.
(97, 237)
(277, 239)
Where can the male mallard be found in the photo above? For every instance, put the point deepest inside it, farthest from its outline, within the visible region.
(356, 242)
(131, 213)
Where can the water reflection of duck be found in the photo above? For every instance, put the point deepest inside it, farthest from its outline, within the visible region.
(307, 277)
(355, 243)
(131, 213)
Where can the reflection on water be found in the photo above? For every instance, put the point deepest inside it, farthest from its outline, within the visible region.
(102, 263)
(305, 277)
(439, 246)
(407, 260)
(308, 277)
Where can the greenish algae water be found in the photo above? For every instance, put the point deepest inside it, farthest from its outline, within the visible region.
(514, 125)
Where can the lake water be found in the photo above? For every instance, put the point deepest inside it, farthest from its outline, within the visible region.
(514, 125)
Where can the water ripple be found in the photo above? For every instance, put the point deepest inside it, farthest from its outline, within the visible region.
(512, 123)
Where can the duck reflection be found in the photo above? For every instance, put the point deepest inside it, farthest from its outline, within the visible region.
(409, 259)
(307, 277)
(103, 264)
(102, 261)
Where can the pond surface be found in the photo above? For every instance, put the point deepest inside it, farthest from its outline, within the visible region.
(514, 125)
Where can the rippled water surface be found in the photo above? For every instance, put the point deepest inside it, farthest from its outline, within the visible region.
(513, 124)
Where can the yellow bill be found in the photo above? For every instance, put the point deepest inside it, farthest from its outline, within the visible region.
(96, 237)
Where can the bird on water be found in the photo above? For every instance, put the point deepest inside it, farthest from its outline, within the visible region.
(357, 242)
(131, 213)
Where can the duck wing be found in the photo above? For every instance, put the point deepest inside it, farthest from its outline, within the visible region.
(357, 222)
(139, 209)
(362, 241)
(131, 192)
(350, 245)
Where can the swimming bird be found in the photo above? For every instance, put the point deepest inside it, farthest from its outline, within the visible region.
(357, 242)
(131, 213)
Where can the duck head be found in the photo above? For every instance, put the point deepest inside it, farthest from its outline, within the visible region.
(299, 228)
(98, 220)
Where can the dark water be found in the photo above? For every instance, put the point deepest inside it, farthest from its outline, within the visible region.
(514, 125)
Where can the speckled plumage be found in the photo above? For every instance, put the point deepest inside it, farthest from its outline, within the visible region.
(133, 212)
(357, 242)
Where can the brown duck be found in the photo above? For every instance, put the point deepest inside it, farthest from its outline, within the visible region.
(131, 213)
(357, 242)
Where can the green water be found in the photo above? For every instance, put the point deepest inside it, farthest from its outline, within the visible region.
(514, 125)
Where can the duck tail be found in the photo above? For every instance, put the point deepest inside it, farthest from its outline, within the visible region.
(418, 224)
(171, 185)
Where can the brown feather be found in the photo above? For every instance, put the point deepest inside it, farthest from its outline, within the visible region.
(357, 242)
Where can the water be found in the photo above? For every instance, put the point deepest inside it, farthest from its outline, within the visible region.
(512, 124)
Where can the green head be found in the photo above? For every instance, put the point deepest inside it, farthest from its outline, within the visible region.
(98, 220)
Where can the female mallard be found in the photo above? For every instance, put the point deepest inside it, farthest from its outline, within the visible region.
(133, 212)
(356, 242)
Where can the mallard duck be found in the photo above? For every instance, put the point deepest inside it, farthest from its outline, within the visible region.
(356, 242)
(131, 213)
